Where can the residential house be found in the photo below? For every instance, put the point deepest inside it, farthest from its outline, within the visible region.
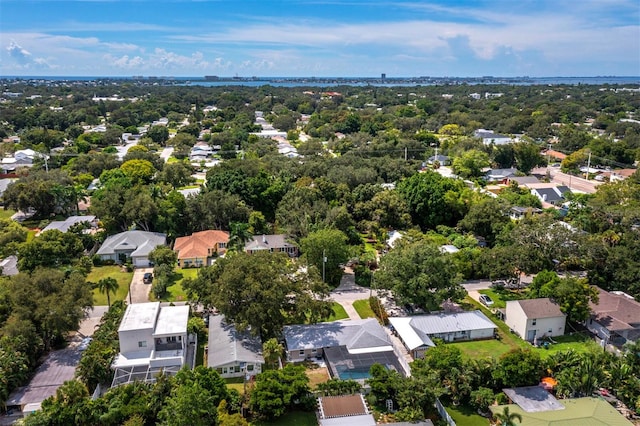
(393, 238)
(65, 225)
(417, 332)
(616, 317)
(153, 340)
(21, 158)
(550, 193)
(131, 245)
(488, 137)
(273, 243)
(522, 180)
(200, 248)
(358, 336)
(448, 249)
(517, 213)
(621, 174)
(500, 175)
(535, 318)
(231, 353)
(444, 160)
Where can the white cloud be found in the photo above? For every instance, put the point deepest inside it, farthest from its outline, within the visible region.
(18, 53)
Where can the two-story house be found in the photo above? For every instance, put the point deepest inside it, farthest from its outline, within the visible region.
(153, 340)
(200, 248)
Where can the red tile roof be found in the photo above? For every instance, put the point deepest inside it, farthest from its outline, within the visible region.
(197, 245)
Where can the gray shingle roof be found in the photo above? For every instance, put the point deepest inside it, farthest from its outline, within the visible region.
(9, 266)
(354, 334)
(64, 225)
(227, 345)
(540, 308)
(141, 242)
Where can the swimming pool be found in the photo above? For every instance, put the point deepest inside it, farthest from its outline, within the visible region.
(346, 373)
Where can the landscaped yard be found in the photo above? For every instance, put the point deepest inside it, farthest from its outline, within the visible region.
(316, 374)
(124, 279)
(508, 340)
(236, 383)
(338, 312)
(466, 416)
(175, 292)
(363, 308)
(482, 348)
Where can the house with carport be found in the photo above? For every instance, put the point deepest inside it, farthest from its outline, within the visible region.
(417, 332)
(535, 319)
(233, 353)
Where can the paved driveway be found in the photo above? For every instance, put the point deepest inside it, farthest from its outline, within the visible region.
(139, 291)
(348, 292)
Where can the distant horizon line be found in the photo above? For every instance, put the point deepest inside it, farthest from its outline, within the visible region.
(236, 77)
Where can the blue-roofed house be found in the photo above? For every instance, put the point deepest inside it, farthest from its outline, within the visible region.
(417, 332)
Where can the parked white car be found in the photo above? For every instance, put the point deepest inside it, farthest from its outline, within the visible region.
(485, 300)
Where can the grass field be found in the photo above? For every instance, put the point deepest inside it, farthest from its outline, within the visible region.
(124, 279)
(500, 298)
(363, 308)
(6, 214)
(338, 312)
(236, 383)
(482, 348)
(175, 292)
(466, 416)
(316, 374)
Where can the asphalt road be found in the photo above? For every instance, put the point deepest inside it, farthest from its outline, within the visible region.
(573, 182)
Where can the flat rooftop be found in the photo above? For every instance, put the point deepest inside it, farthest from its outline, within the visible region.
(140, 316)
(172, 320)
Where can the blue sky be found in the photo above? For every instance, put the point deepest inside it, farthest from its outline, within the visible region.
(320, 38)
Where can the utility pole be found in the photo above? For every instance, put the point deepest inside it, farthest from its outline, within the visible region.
(405, 153)
(324, 261)
(588, 167)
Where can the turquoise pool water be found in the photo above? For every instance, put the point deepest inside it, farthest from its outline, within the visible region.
(352, 374)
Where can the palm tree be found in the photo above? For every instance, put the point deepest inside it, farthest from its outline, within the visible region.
(239, 236)
(506, 418)
(106, 286)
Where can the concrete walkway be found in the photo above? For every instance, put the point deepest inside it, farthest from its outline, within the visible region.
(348, 292)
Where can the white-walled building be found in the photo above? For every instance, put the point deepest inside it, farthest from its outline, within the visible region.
(231, 353)
(416, 332)
(535, 318)
(153, 339)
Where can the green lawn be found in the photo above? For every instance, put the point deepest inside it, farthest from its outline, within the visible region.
(508, 340)
(124, 279)
(363, 308)
(295, 418)
(577, 342)
(482, 348)
(236, 383)
(6, 214)
(466, 416)
(338, 312)
(501, 297)
(175, 292)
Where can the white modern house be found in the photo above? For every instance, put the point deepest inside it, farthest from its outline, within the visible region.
(153, 340)
(417, 332)
(231, 353)
(535, 318)
(489, 137)
(131, 245)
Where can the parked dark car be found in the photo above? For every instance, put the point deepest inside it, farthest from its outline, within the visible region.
(147, 278)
